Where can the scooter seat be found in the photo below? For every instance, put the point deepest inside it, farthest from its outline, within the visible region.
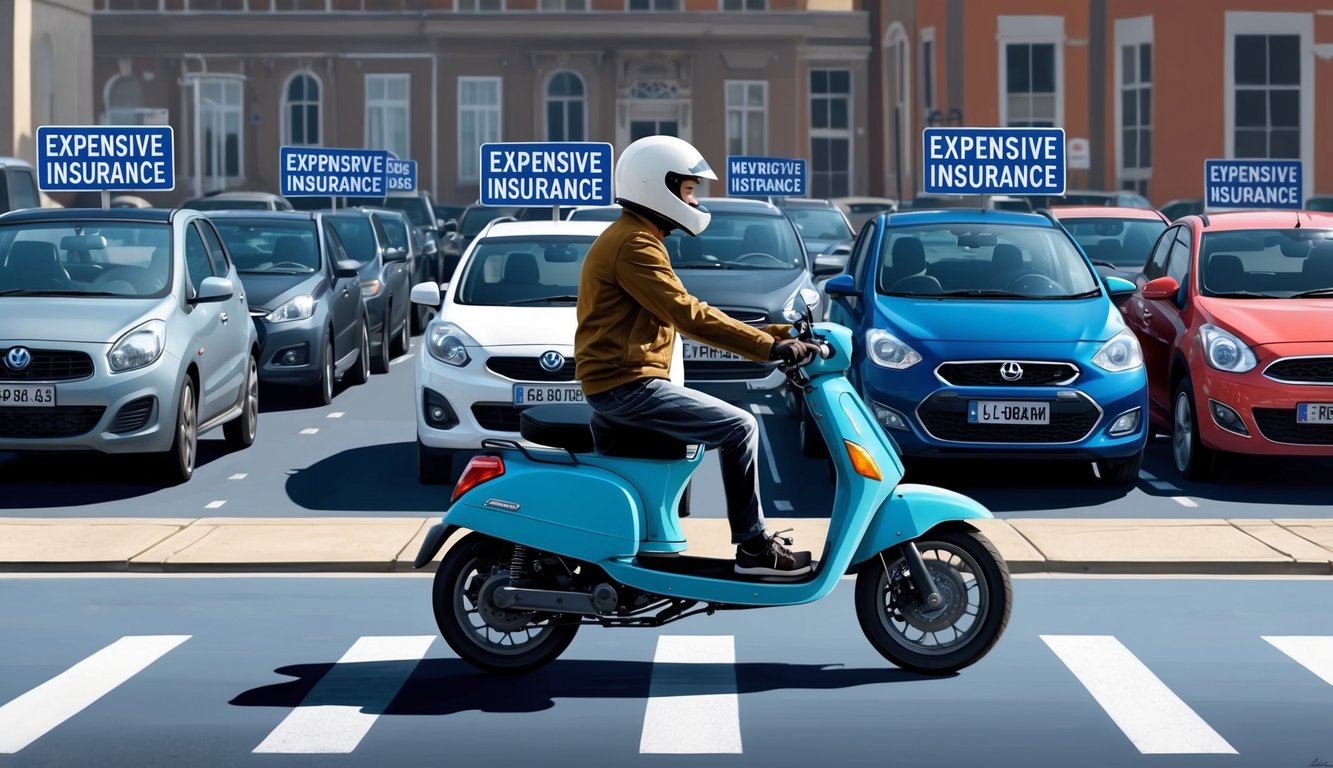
(580, 429)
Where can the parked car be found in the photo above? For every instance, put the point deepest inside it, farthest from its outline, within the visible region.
(1321, 203)
(1119, 198)
(385, 276)
(1232, 317)
(503, 338)
(18, 185)
(448, 213)
(977, 202)
(1118, 240)
(129, 201)
(305, 298)
(859, 210)
(990, 334)
(115, 338)
(239, 201)
(824, 229)
(474, 219)
(594, 213)
(423, 266)
(420, 214)
(1178, 209)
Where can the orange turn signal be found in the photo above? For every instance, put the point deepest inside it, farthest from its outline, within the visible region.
(862, 462)
(479, 470)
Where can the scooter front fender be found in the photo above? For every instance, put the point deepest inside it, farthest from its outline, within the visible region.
(910, 511)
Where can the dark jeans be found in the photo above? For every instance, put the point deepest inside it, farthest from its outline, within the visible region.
(695, 417)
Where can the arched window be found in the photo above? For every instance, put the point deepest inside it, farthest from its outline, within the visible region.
(123, 96)
(301, 113)
(565, 108)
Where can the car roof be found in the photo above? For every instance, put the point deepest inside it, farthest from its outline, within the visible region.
(912, 218)
(275, 215)
(1240, 220)
(562, 227)
(146, 215)
(739, 205)
(14, 161)
(1105, 212)
(806, 202)
(240, 195)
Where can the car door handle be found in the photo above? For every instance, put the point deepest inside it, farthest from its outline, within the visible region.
(1147, 313)
(223, 318)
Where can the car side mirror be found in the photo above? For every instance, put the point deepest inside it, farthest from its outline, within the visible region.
(840, 286)
(395, 254)
(214, 289)
(1119, 289)
(427, 293)
(346, 268)
(1161, 289)
(828, 264)
(447, 227)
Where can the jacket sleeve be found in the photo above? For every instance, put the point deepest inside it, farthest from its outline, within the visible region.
(644, 271)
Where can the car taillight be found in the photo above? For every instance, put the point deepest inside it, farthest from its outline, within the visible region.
(479, 470)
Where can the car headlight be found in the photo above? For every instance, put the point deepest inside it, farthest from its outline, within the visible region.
(447, 343)
(889, 351)
(809, 297)
(371, 288)
(296, 308)
(1224, 351)
(140, 346)
(1121, 353)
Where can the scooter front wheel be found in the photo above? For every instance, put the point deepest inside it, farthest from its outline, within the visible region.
(491, 638)
(973, 581)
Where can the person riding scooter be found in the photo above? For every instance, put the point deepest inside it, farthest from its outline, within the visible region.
(631, 304)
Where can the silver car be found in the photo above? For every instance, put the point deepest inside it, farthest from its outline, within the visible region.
(123, 331)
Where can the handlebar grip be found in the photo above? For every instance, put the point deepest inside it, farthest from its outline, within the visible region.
(825, 349)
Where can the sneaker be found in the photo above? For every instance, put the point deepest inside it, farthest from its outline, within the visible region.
(771, 558)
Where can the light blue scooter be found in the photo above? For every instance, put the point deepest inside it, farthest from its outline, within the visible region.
(587, 532)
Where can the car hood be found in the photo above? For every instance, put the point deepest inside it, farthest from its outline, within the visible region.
(1006, 320)
(766, 289)
(87, 320)
(515, 326)
(270, 291)
(1272, 321)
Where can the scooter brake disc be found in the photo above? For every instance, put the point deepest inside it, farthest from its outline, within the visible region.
(953, 601)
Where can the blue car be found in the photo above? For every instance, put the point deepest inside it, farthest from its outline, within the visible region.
(989, 333)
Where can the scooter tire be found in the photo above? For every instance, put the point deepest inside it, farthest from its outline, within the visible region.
(479, 553)
(872, 609)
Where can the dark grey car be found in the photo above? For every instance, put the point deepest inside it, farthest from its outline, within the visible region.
(385, 275)
(305, 298)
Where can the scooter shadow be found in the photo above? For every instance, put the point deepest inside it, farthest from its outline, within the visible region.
(451, 686)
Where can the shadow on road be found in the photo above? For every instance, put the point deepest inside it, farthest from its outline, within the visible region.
(451, 686)
(274, 398)
(42, 480)
(371, 478)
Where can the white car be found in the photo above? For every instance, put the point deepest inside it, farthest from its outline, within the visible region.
(503, 338)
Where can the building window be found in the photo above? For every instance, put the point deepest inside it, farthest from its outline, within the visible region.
(928, 70)
(1134, 70)
(747, 117)
(301, 5)
(123, 96)
(1267, 74)
(301, 111)
(481, 6)
(744, 5)
(1031, 71)
(478, 121)
(388, 112)
(563, 5)
(220, 121)
(565, 108)
(653, 5)
(830, 132)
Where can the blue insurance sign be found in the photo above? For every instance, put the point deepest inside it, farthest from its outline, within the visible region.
(402, 175)
(88, 158)
(765, 176)
(328, 172)
(546, 173)
(994, 161)
(1253, 184)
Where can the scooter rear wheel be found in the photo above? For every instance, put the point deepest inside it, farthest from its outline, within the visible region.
(972, 578)
(486, 636)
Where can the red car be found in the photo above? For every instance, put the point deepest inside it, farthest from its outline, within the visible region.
(1117, 239)
(1235, 316)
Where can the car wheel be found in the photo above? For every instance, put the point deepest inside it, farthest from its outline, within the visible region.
(1121, 471)
(435, 466)
(322, 391)
(360, 373)
(177, 464)
(403, 340)
(380, 363)
(240, 431)
(1193, 459)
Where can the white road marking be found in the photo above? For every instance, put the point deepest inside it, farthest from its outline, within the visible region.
(761, 410)
(310, 431)
(782, 506)
(402, 359)
(215, 504)
(1185, 501)
(767, 449)
(1154, 718)
(35, 713)
(238, 476)
(367, 689)
(693, 707)
(337, 414)
(1313, 653)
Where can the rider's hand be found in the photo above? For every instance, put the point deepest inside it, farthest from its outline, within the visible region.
(793, 351)
(778, 331)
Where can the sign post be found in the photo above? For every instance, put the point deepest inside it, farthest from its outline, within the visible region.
(1253, 184)
(531, 173)
(333, 173)
(994, 161)
(102, 158)
(765, 176)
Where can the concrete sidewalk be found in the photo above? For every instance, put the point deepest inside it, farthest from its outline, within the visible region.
(342, 544)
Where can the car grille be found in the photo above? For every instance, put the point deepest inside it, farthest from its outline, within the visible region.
(945, 418)
(133, 415)
(1304, 370)
(49, 365)
(1280, 426)
(59, 421)
(530, 369)
(499, 417)
(987, 373)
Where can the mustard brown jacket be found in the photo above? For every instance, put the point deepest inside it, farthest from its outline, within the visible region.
(631, 304)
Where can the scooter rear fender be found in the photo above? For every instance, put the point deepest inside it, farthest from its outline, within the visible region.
(910, 512)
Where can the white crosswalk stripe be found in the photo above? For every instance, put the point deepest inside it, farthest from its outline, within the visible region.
(339, 728)
(693, 706)
(1154, 718)
(1313, 653)
(35, 713)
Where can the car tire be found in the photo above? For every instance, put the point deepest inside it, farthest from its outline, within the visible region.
(321, 392)
(403, 341)
(1121, 471)
(1192, 458)
(435, 466)
(380, 363)
(240, 431)
(176, 465)
(360, 373)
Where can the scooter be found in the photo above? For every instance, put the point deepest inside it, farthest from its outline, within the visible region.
(585, 530)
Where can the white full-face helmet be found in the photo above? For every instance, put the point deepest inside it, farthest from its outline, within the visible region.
(649, 176)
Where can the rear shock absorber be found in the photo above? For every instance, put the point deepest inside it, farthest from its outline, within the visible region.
(518, 563)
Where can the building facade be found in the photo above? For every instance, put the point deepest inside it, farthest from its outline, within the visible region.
(431, 80)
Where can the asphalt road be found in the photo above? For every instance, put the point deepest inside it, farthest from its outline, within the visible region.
(124, 671)
(357, 457)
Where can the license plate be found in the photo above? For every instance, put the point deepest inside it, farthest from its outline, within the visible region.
(694, 351)
(33, 395)
(1008, 412)
(1314, 413)
(535, 394)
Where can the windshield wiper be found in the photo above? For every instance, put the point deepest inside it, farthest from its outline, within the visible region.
(28, 292)
(1244, 295)
(1312, 294)
(543, 300)
(1085, 295)
(989, 293)
(703, 265)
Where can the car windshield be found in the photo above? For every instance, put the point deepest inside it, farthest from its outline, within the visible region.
(983, 261)
(357, 236)
(1122, 243)
(819, 223)
(738, 241)
(272, 247)
(1324, 204)
(1267, 263)
(476, 218)
(84, 258)
(213, 204)
(396, 229)
(524, 271)
(311, 203)
(417, 209)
